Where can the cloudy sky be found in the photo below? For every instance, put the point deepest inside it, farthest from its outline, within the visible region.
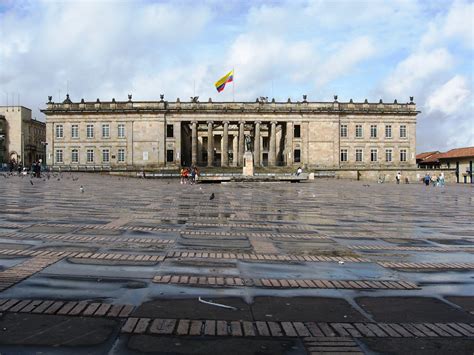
(357, 49)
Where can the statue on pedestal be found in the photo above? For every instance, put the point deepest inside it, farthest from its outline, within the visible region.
(248, 157)
(248, 143)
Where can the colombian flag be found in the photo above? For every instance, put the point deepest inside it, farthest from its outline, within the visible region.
(220, 84)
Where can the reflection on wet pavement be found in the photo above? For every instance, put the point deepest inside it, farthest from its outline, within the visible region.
(122, 232)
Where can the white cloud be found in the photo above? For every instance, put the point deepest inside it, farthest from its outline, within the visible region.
(260, 59)
(107, 49)
(344, 59)
(417, 70)
(449, 97)
(457, 24)
(460, 23)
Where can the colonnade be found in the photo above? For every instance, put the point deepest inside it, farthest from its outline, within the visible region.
(256, 128)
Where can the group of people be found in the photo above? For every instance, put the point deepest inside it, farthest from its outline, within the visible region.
(398, 178)
(18, 166)
(188, 175)
(435, 180)
(36, 168)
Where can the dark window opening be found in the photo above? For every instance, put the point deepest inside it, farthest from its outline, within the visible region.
(297, 154)
(169, 155)
(169, 131)
(297, 131)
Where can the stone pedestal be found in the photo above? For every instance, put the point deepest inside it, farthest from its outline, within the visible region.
(248, 164)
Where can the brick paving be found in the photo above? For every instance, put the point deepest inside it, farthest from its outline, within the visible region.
(216, 281)
(124, 242)
(71, 308)
(458, 266)
(333, 331)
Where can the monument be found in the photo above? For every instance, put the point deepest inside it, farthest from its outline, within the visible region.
(248, 157)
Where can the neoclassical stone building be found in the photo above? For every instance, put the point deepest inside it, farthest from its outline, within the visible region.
(321, 135)
(22, 138)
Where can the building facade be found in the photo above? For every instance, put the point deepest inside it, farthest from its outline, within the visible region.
(146, 135)
(21, 137)
(460, 159)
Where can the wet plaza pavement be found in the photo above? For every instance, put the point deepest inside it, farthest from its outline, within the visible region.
(331, 266)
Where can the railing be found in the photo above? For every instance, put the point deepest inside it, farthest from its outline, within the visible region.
(232, 106)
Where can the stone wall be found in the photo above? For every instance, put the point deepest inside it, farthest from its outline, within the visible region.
(388, 175)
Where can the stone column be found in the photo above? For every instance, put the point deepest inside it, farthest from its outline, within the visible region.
(194, 143)
(178, 157)
(256, 144)
(235, 149)
(241, 144)
(272, 148)
(225, 145)
(210, 144)
(289, 144)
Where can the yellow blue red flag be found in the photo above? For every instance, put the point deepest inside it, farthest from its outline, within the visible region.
(220, 84)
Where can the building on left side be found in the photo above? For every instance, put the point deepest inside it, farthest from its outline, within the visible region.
(22, 138)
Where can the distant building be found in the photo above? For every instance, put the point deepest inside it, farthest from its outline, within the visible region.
(21, 137)
(428, 160)
(461, 159)
(131, 135)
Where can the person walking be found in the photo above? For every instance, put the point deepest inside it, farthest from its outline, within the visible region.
(427, 179)
(193, 175)
(181, 174)
(441, 180)
(398, 178)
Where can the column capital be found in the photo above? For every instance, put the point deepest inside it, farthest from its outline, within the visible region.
(210, 122)
(257, 122)
(225, 121)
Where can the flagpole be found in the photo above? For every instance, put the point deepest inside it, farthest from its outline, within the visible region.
(233, 85)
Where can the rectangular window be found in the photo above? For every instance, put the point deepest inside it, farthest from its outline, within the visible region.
(169, 155)
(105, 155)
(358, 155)
(297, 131)
(343, 154)
(297, 155)
(403, 131)
(59, 131)
(121, 130)
(403, 155)
(90, 155)
(105, 131)
(74, 156)
(90, 131)
(359, 131)
(169, 131)
(388, 131)
(388, 155)
(343, 130)
(373, 131)
(121, 155)
(373, 155)
(59, 156)
(75, 131)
